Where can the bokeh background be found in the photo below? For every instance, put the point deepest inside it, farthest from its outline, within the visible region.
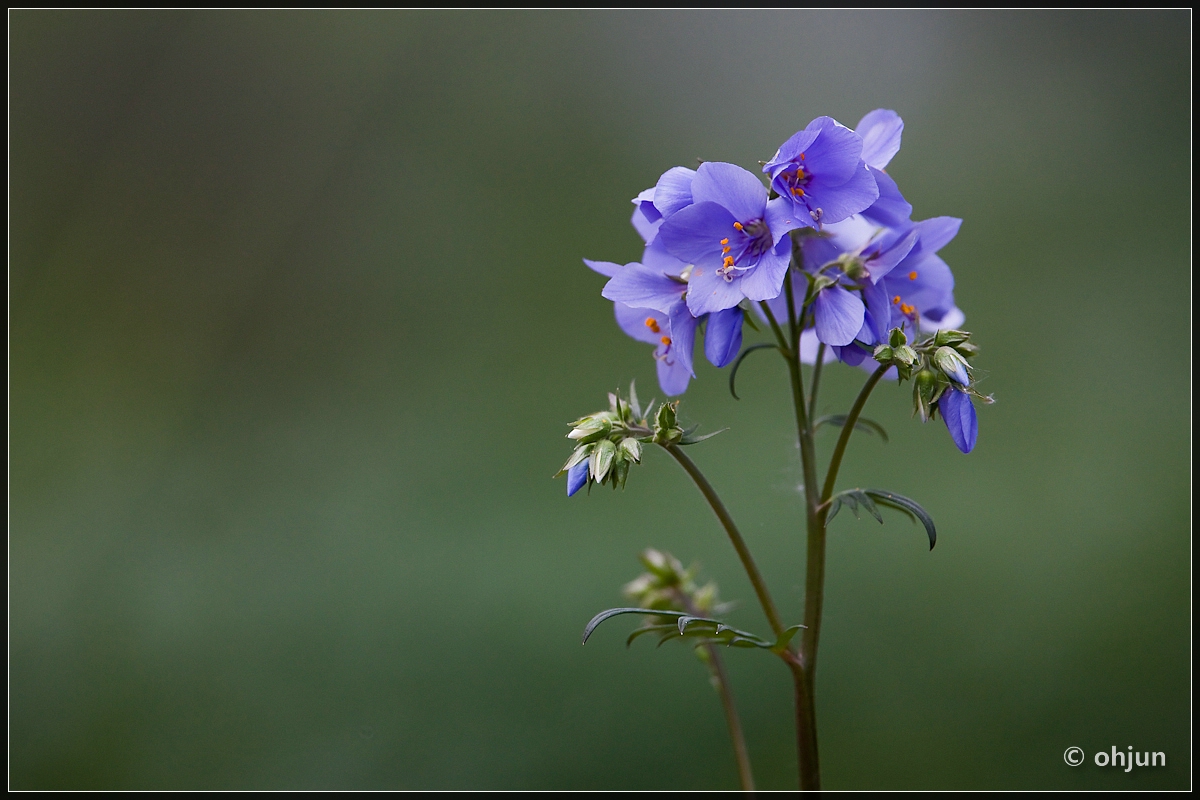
(297, 317)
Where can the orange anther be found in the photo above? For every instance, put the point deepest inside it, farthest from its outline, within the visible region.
(912, 276)
(725, 240)
(728, 261)
(895, 299)
(666, 340)
(737, 225)
(652, 324)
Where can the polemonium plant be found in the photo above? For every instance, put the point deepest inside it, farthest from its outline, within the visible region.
(824, 252)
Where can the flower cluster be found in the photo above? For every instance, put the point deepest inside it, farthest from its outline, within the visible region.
(719, 242)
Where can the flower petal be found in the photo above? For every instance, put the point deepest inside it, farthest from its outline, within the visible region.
(810, 344)
(765, 281)
(937, 232)
(577, 477)
(781, 218)
(645, 203)
(839, 315)
(836, 152)
(792, 148)
(959, 413)
(634, 322)
(880, 131)
(642, 224)
(683, 335)
(673, 190)
(891, 209)
(837, 202)
(723, 336)
(641, 287)
(656, 257)
(672, 377)
(732, 187)
(708, 292)
(879, 312)
(693, 234)
(605, 268)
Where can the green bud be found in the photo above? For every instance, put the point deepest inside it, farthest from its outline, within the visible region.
(924, 389)
(967, 349)
(579, 454)
(620, 471)
(883, 354)
(664, 566)
(601, 459)
(897, 337)
(905, 355)
(951, 364)
(666, 428)
(951, 337)
(852, 266)
(632, 449)
(591, 429)
(822, 282)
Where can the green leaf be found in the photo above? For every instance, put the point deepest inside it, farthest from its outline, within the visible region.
(616, 612)
(685, 620)
(862, 424)
(737, 364)
(785, 638)
(649, 629)
(908, 506)
(689, 439)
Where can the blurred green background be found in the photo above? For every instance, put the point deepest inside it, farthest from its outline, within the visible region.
(297, 317)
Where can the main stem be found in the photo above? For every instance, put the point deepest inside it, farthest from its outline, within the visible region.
(814, 579)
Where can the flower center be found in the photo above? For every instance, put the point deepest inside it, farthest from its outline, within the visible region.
(797, 179)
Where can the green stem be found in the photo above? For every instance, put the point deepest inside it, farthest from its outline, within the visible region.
(725, 691)
(739, 544)
(783, 345)
(814, 579)
(815, 585)
(812, 393)
(835, 463)
(740, 753)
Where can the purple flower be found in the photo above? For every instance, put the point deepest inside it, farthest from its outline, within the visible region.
(672, 192)
(650, 307)
(958, 411)
(577, 477)
(733, 238)
(820, 171)
(920, 289)
(880, 131)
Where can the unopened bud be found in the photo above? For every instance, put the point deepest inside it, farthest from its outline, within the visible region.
(924, 388)
(633, 449)
(952, 364)
(884, 354)
(896, 337)
(601, 460)
(950, 337)
(591, 429)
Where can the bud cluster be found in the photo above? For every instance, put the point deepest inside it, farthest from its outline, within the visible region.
(610, 441)
(666, 585)
(935, 365)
